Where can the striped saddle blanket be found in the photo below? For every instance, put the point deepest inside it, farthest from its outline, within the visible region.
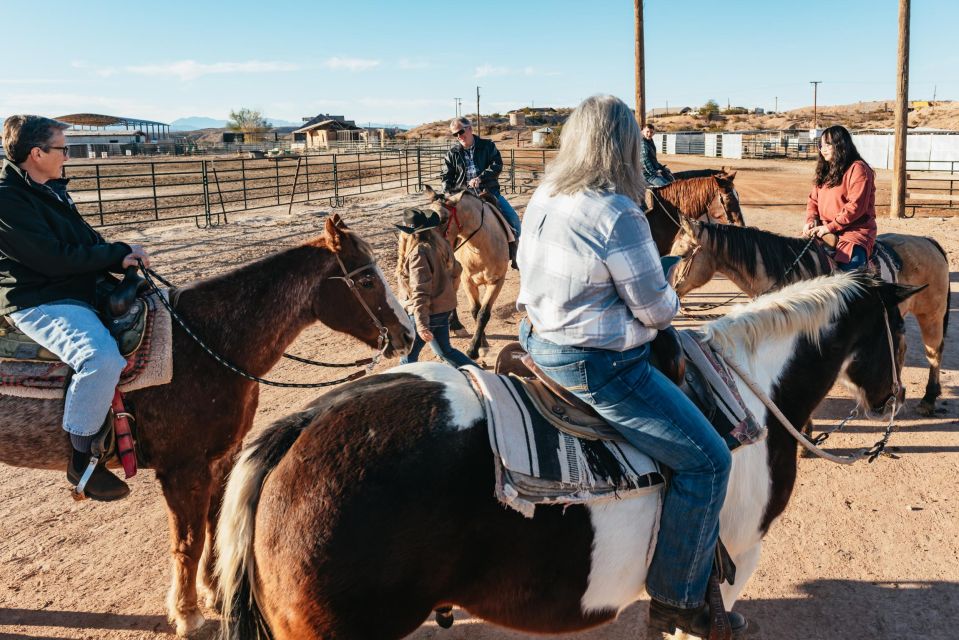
(535, 463)
(150, 365)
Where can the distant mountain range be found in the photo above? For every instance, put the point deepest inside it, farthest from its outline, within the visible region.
(200, 122)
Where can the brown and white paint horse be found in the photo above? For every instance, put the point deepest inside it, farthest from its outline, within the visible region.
(757, 261)
(191, 428)
(379, 495)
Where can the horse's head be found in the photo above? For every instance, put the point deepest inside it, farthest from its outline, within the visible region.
(728, 199)
(444, 205)
(356, 298)
(877, 332)
(697, 265)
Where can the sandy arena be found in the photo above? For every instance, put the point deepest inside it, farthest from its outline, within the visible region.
(868, 551)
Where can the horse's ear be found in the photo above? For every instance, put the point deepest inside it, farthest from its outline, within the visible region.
(338, 221)
(455, 198)
(429, 192)
(902, 292)
(728, 175)
(334, 234)
(686, 226)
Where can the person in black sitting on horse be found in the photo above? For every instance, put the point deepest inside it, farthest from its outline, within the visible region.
(475, 163)
(50, 263)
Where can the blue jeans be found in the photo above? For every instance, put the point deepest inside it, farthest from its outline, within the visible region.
(654, 416)
(509, 213)
(440, 344)
(858, 259)
(658, 180)
(73, 332)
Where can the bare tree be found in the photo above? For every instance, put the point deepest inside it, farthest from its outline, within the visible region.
(250, 122)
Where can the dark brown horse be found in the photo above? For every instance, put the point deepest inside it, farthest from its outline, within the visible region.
(758, 261)
(379, 495)
(190, 429)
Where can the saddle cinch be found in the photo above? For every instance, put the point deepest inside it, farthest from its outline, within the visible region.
(124, 313)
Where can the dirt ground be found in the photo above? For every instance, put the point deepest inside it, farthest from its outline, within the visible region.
(870, 551)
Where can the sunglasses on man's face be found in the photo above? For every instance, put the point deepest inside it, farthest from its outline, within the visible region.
(457, 134)
(64, 150)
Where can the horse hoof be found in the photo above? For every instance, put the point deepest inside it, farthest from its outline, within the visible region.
(188, 623)
(926, 409)
(461, 333)
(444, 617)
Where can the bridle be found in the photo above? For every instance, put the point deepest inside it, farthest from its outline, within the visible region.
(453, 217)
(383, 340)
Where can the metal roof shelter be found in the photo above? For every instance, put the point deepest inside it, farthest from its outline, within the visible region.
(95, 121)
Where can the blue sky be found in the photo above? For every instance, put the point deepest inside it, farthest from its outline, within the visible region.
(404, 62)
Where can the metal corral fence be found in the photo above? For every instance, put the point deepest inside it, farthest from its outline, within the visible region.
(207, 190)
(184, 147)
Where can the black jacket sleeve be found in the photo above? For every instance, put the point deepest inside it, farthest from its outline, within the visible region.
(25, 236)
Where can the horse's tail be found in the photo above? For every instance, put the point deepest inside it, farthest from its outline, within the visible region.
(235, 565)
(945, 315)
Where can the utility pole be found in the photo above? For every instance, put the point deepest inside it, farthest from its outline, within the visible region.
(640, 66)
(776, 109)
(815, 115)
(897, 206)
(458, 102)
(479, 130)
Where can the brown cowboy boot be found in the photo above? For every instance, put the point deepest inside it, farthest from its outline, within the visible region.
(512, 254)
(101, 484)
(665, 618)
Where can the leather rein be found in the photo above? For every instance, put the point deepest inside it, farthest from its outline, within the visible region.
(453, 217)
(383, 341)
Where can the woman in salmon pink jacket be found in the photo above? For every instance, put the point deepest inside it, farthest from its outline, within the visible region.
(843, 200)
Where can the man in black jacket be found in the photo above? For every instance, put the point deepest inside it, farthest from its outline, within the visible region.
(475, 163)
(50, 261)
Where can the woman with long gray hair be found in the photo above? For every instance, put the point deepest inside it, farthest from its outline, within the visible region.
(595, 295)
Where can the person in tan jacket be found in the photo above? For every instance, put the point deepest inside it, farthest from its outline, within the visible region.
(427, 273)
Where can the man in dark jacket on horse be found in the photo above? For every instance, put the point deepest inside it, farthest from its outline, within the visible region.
(50, 262)
(475, 163)
(655, 172)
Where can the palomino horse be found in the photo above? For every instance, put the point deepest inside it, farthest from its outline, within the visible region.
(691, 198)
(191, 428)
(380, 494)
(480, 244)
(757, 261)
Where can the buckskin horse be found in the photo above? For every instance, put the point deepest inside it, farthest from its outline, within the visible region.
(757, 261)
(379, 495)
(190, 429)
(480, 245)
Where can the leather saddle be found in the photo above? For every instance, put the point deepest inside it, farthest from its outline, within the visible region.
(567, 412)
(120, 307)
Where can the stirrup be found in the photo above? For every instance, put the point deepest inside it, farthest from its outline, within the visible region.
(77, 492)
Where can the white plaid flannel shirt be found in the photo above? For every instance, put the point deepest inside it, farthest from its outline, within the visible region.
(591, 275)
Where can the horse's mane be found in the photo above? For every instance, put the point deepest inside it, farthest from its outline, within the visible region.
(804, 307)
(778, 253)
(691, 197)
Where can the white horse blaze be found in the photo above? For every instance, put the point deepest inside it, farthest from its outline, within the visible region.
(395, 304)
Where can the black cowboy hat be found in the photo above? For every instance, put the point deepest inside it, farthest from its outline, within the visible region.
(419, 220)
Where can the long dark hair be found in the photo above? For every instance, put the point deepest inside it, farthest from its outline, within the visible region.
(844, 153)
